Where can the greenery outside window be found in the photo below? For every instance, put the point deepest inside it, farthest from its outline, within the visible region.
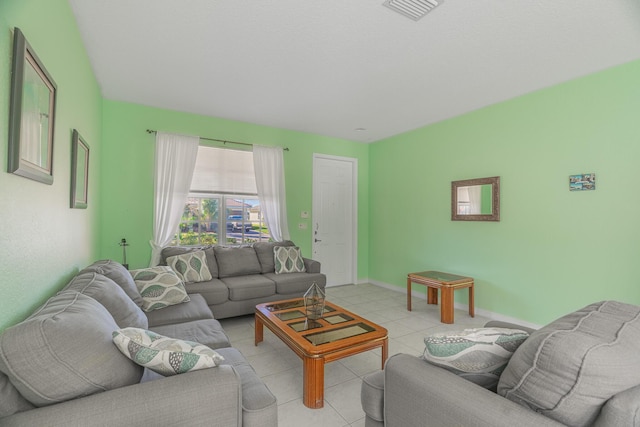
(210, 219)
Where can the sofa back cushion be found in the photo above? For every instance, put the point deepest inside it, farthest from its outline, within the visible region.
(264, 251)
(104, 290)
(11, 401)
(64, 351)
(236, 261)
(116, 272)
(171, 251)
(571, 367)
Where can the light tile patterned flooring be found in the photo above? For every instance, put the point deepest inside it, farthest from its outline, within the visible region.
(281, 369)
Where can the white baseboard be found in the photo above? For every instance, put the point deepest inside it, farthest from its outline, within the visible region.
(485, 313)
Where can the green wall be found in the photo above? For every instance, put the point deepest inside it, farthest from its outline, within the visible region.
(42, 241)
(553, 250)
(128, 164)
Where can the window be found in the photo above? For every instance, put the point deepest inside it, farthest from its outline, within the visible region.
(223, 206)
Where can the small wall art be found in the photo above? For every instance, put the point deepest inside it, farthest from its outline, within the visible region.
(582, 182)
(79, 171)
(31, 114)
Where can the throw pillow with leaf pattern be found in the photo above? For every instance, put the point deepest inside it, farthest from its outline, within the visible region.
(191, 267)
(166, 356)
(288, 259)
(478, 355)
(159, 287)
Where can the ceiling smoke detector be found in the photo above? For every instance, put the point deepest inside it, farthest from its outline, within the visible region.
(414, 9)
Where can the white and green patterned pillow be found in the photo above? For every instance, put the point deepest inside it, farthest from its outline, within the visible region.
(191, 267)
(288, 259)
(159, 287)
(478, 355)
(166, 356)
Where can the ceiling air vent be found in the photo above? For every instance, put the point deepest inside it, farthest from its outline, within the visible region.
(414, 9)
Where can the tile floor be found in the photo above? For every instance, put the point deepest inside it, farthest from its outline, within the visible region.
(281, 369)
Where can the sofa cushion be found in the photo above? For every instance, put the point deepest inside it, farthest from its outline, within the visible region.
(64, 351)
(164, 355)
(159, 287)
(208, 332)
(568, 369)
(288, 260)
(264, 251)
(116, 272)
(478, 355)
(249, 287)
(195, 309)
(214, 291)
(236, 261)
(296, 283)
(11, 401)
(171, 251)
(190, 267)
(104, 290)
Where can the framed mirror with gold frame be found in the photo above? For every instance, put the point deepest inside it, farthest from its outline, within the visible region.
(476, 199)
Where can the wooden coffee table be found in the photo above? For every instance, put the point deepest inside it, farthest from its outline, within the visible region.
(338, 334)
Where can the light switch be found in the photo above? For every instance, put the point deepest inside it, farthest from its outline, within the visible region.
(302, 226)
(304, 214)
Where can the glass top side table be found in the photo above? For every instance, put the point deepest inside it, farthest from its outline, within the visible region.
(447, 283)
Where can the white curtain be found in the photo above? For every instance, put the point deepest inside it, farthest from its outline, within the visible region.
(175, 160)
(268, 163)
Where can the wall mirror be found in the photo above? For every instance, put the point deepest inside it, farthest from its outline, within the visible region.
(476, 199)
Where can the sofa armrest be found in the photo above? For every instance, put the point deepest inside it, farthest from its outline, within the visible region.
(419, 394)
(623, 409)
(209, 397)
(311, 266)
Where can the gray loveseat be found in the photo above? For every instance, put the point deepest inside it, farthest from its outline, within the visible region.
(580, 370)
(244, 276)
(59, 367)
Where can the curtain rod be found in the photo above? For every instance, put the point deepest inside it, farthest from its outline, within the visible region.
(219, 140)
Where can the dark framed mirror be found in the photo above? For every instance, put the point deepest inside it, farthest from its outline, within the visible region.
(476, 199)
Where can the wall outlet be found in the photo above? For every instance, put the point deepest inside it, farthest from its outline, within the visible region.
(302, 226)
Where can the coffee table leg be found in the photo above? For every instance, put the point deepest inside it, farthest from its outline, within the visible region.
(313, 396)
(471, 302)
(408, 294)
(259, 334)
(446, 307)
(385, 351)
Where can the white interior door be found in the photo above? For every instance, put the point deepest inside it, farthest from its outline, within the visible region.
(334, 231)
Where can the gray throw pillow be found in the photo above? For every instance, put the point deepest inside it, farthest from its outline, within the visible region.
(116, 272)
(571, 367)
(104, 290)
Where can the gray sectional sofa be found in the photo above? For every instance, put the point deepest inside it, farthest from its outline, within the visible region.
(59, 367)
(580, 370)
(244, 276)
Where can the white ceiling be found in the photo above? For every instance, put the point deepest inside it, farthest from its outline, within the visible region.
(330, 67)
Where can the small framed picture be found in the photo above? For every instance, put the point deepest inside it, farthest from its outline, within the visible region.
(585, 181)
(79, 171)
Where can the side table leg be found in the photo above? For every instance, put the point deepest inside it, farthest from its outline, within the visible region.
(446, 308)
(313, 387)
(432, 295)
(408, 294)
(471, 302)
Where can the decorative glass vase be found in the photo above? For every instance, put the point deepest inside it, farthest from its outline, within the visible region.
(314, 302)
